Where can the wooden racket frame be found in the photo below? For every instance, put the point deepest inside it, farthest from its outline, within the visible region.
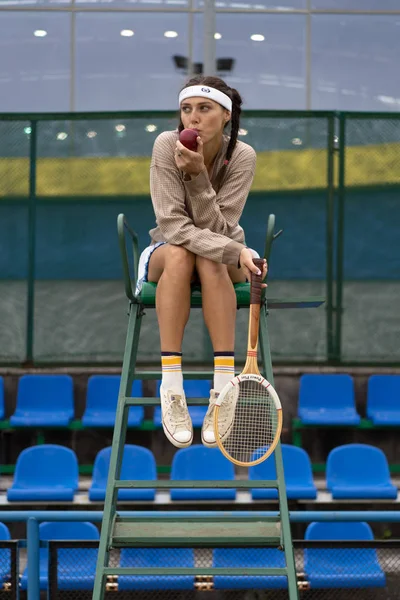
(251, 367)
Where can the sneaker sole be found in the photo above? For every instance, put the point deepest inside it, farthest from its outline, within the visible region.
(223, 438)
(175, 442)
(208, 444)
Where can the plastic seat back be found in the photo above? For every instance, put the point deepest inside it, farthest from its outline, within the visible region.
(47, 465)
(383, 399)
(45, 393)
(357, 464)
(156, 557)
(327, 399)
(200, 463)
(298, 474)
(342, 567)
(102, 399)
(137, 463)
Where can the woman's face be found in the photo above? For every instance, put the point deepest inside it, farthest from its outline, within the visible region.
(207, 116)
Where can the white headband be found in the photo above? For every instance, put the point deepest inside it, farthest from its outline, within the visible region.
(206, 92)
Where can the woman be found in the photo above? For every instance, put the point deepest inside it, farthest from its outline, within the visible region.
(198, 198)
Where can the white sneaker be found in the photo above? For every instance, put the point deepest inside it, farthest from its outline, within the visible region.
(176, 420)
(226, 417)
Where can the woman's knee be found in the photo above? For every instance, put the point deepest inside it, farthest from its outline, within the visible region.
(210, 269)
(179, 259)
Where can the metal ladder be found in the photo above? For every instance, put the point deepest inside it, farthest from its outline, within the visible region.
(202, 529)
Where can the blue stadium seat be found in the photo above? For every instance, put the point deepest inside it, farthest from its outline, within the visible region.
(359, 471)
(156, 557)
(342, 567)
(327, 400)
(5, 556)
(44, 400)
(249, 558)
(137, 463)
(200, 463)
(383, 399)
(2, 409)
(102, 400)
(45, 473)
(69, 577)
(194, 388)
(298, 475)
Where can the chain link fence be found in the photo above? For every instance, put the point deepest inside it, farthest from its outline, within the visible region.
(371, 285)
(331, 570)
(15, 150)
(8, 570)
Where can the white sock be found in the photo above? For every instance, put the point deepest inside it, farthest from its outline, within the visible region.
(171, 364)
(224, 369)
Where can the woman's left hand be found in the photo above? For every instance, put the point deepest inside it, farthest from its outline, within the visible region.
(188, 161)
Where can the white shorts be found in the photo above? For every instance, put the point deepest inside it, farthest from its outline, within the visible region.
(143, 268)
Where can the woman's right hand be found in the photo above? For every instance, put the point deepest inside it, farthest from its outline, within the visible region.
(248, 267)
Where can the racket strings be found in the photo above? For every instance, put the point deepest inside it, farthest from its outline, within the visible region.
(255, 422)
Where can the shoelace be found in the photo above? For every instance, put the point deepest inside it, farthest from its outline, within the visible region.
(177, 410)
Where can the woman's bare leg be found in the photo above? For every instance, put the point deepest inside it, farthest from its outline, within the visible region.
(172, 268)
(219, 301)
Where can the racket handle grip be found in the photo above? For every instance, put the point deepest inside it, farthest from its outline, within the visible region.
(255, 282)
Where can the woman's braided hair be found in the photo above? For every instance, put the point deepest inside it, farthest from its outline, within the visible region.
(219, 84)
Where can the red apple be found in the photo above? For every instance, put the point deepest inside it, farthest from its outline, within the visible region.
(188, 137)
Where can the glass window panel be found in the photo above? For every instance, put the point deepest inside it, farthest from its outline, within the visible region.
(150, 4)
(32, 3)
(34, 61)
(355, 62)
(257, 4)
(269, 74)
(129, 72)
(356, 4)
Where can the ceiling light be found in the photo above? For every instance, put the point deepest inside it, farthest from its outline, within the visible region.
(217, 36)
(127, 33)
(151, 128)
(297, 142)
(62, 135)
(91, 134)
(170, 34)
(257, 37)
(243, 132)
(40, 33)
(27, 130)
(120, 128)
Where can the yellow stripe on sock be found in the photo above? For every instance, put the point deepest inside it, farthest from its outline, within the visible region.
(224, 364)
(171, 363)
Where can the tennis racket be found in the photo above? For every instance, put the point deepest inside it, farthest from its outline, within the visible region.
(248, 412)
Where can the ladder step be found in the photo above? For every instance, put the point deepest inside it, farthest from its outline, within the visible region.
(199, 532)
(156, 401)
(122, 484)
(148, 374)
(194, 571)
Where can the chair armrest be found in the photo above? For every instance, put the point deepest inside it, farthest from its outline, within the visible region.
(123, 227)
(270, 237)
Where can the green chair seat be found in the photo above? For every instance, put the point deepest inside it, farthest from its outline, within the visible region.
(147, 298)
(148, 294)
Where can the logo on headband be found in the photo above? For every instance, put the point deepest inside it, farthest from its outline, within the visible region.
(207, 90)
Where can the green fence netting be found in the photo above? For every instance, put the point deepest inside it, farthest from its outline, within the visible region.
(331, 180)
